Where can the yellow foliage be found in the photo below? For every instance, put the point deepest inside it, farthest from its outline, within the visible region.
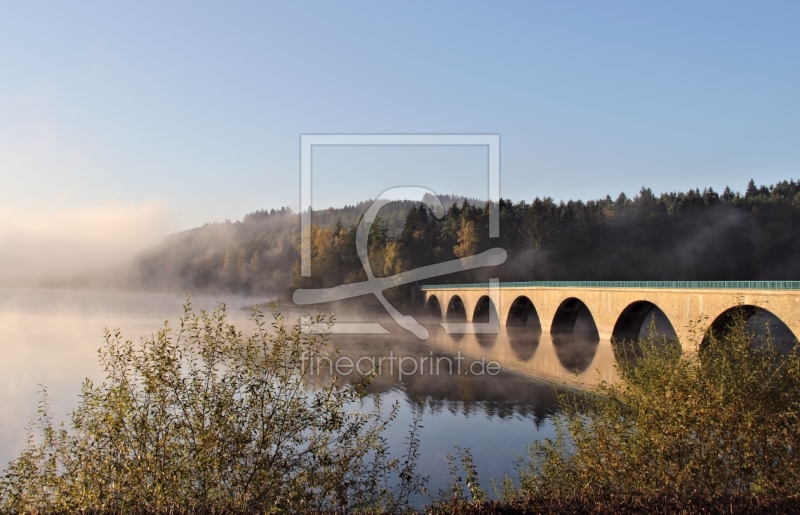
(467, 240)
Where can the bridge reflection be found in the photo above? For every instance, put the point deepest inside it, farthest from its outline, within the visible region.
(577, 359)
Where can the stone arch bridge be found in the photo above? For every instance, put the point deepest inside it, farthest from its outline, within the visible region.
(618, 309)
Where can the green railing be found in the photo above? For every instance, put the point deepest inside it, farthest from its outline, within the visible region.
(689, 285)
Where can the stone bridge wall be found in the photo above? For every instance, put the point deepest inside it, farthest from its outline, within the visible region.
(690, 311)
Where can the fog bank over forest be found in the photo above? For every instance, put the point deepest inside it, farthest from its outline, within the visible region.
(693, 235)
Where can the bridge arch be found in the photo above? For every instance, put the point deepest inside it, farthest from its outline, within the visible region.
(483, 310)
(456, 312)
(758, 320)
(634, 320)
(573, 316)
(691, 308)
(523, 328)
(522, 313)
(433, 308)
(575, 335)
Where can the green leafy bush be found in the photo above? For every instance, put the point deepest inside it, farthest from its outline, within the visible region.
(203, 419)
(722, 421)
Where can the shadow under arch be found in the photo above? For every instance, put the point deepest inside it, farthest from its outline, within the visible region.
(455, 310)
(573, 317)
(522, 313)
(575, 335)
(761, 321)
(633, 323)
(484, 310)
(433, 309)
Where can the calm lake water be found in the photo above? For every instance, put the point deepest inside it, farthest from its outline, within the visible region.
(51, 338)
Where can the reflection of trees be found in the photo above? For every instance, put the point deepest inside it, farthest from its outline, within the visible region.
(499, 396)
(503, 395)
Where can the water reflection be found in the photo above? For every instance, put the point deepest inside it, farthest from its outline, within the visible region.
(523, 341)
(486, 340)
(575, 351)
(444, 381)
(51, 338)
(576, 359)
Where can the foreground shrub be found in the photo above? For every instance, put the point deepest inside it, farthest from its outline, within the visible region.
(719, 422)
(615, 504)
(203, 419)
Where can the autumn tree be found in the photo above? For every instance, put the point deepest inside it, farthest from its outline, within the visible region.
(467, 239)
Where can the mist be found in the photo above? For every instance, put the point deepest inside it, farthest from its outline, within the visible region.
(674, 236)
(76, 246)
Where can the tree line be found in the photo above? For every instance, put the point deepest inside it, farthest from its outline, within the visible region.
(693, 235)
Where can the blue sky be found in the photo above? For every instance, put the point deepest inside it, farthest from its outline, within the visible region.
(197, 108)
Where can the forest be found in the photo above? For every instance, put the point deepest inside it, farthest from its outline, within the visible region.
(692, 235)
